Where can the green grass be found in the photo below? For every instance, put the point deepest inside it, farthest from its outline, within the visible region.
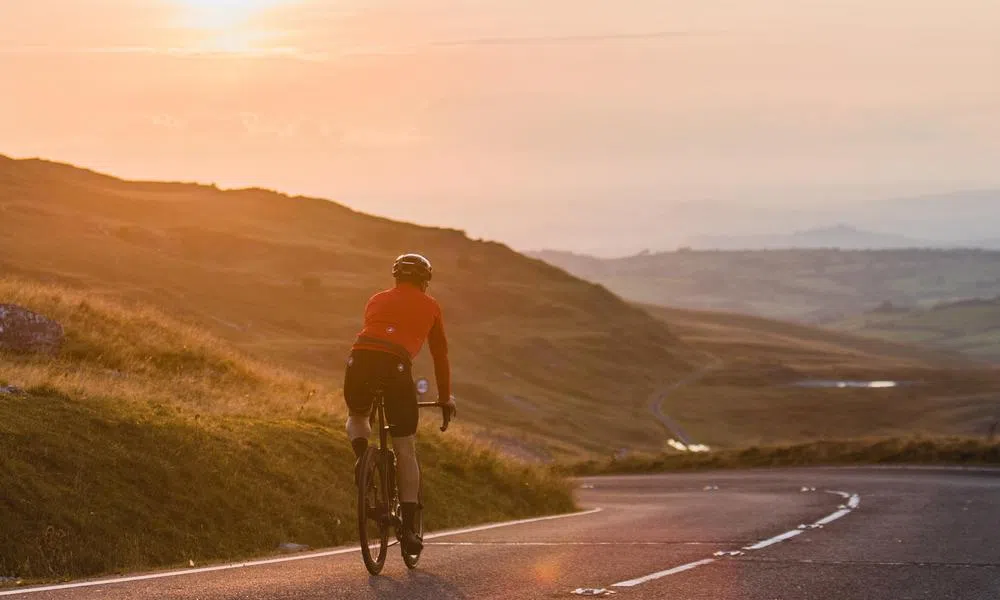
(90, 487)
(145, 443)
(910, 450)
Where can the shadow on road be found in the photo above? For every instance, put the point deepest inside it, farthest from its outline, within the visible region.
(415, 585)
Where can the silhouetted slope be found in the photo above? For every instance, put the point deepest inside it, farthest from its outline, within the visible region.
(286, 278)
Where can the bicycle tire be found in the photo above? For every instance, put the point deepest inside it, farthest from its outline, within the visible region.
(373, 506)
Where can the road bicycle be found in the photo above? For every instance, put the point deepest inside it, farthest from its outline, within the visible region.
(378, 497)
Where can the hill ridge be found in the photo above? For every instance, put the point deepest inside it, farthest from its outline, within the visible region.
(286, 278)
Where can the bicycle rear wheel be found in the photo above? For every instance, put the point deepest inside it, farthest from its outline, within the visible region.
(411, 560)
(373, 512)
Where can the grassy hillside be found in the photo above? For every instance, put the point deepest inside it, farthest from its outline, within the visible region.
(146, 443)
(748, 399)
(552, 365)
(792, 285)
(971, 327)
(912, 450)
(797, 348)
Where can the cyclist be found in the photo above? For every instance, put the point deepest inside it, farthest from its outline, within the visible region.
(397, 322)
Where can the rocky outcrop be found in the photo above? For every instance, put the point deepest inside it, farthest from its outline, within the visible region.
(24, 331)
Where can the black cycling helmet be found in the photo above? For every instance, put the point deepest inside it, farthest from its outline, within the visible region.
(412, 267)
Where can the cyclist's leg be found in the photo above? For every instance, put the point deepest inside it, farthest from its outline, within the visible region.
(401, 405)
(408, 474)
(357, 395)
(408, 468)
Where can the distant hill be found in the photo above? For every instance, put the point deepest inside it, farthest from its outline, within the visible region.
(286, 279)
(839, 236)
(969, 326)
(799, 285)
(746, 397)
(957, 219)
(794, 348)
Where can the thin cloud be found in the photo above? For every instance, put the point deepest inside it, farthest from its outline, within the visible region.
(570, 39)
(277, 52)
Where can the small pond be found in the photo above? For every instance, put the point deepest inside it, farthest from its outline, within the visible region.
(832, 383)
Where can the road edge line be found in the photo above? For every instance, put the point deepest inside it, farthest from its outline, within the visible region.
(271, 561)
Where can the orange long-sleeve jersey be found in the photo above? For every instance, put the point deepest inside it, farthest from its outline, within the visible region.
(399, 321)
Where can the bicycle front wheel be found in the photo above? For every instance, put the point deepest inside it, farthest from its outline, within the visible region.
(373, 512)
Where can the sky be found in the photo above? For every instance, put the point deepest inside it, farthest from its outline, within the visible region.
(576, 124)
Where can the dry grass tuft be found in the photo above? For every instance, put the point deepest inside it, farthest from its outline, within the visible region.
(137, 354)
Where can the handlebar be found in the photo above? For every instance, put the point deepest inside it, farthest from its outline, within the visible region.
(445, 413)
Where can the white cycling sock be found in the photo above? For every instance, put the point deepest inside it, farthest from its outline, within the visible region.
(358, 427)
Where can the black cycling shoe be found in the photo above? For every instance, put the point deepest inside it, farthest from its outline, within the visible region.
(411, 542)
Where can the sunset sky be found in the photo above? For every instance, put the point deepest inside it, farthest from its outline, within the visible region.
(543, 123)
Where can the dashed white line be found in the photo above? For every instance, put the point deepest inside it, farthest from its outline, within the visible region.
(271, 561)
(771, 541)
(673, 571)
(833, 517)
(853, 501)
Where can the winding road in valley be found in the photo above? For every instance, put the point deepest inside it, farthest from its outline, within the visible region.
(845, 533)
(658, 397)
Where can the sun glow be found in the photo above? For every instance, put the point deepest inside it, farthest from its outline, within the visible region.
(219, 15)
(226, 26)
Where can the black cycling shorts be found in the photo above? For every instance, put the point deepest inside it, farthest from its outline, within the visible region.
(366, 370)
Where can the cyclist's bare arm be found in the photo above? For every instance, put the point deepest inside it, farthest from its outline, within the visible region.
(438, 343)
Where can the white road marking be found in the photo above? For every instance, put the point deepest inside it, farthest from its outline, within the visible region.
(774, 540)
(853, 502)
(571, 544)
(675, 570)
(510, 523)
(592, 592)
(833, 516)
(272, 561)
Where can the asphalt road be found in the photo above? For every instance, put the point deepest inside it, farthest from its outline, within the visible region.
(886, 533)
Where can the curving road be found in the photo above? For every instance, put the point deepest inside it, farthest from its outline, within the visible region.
(658, 397)
(765, 534)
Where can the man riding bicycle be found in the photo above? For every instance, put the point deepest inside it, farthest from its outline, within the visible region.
(397, 323)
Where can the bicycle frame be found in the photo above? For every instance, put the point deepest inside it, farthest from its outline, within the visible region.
(378, 413)
(386, 512)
